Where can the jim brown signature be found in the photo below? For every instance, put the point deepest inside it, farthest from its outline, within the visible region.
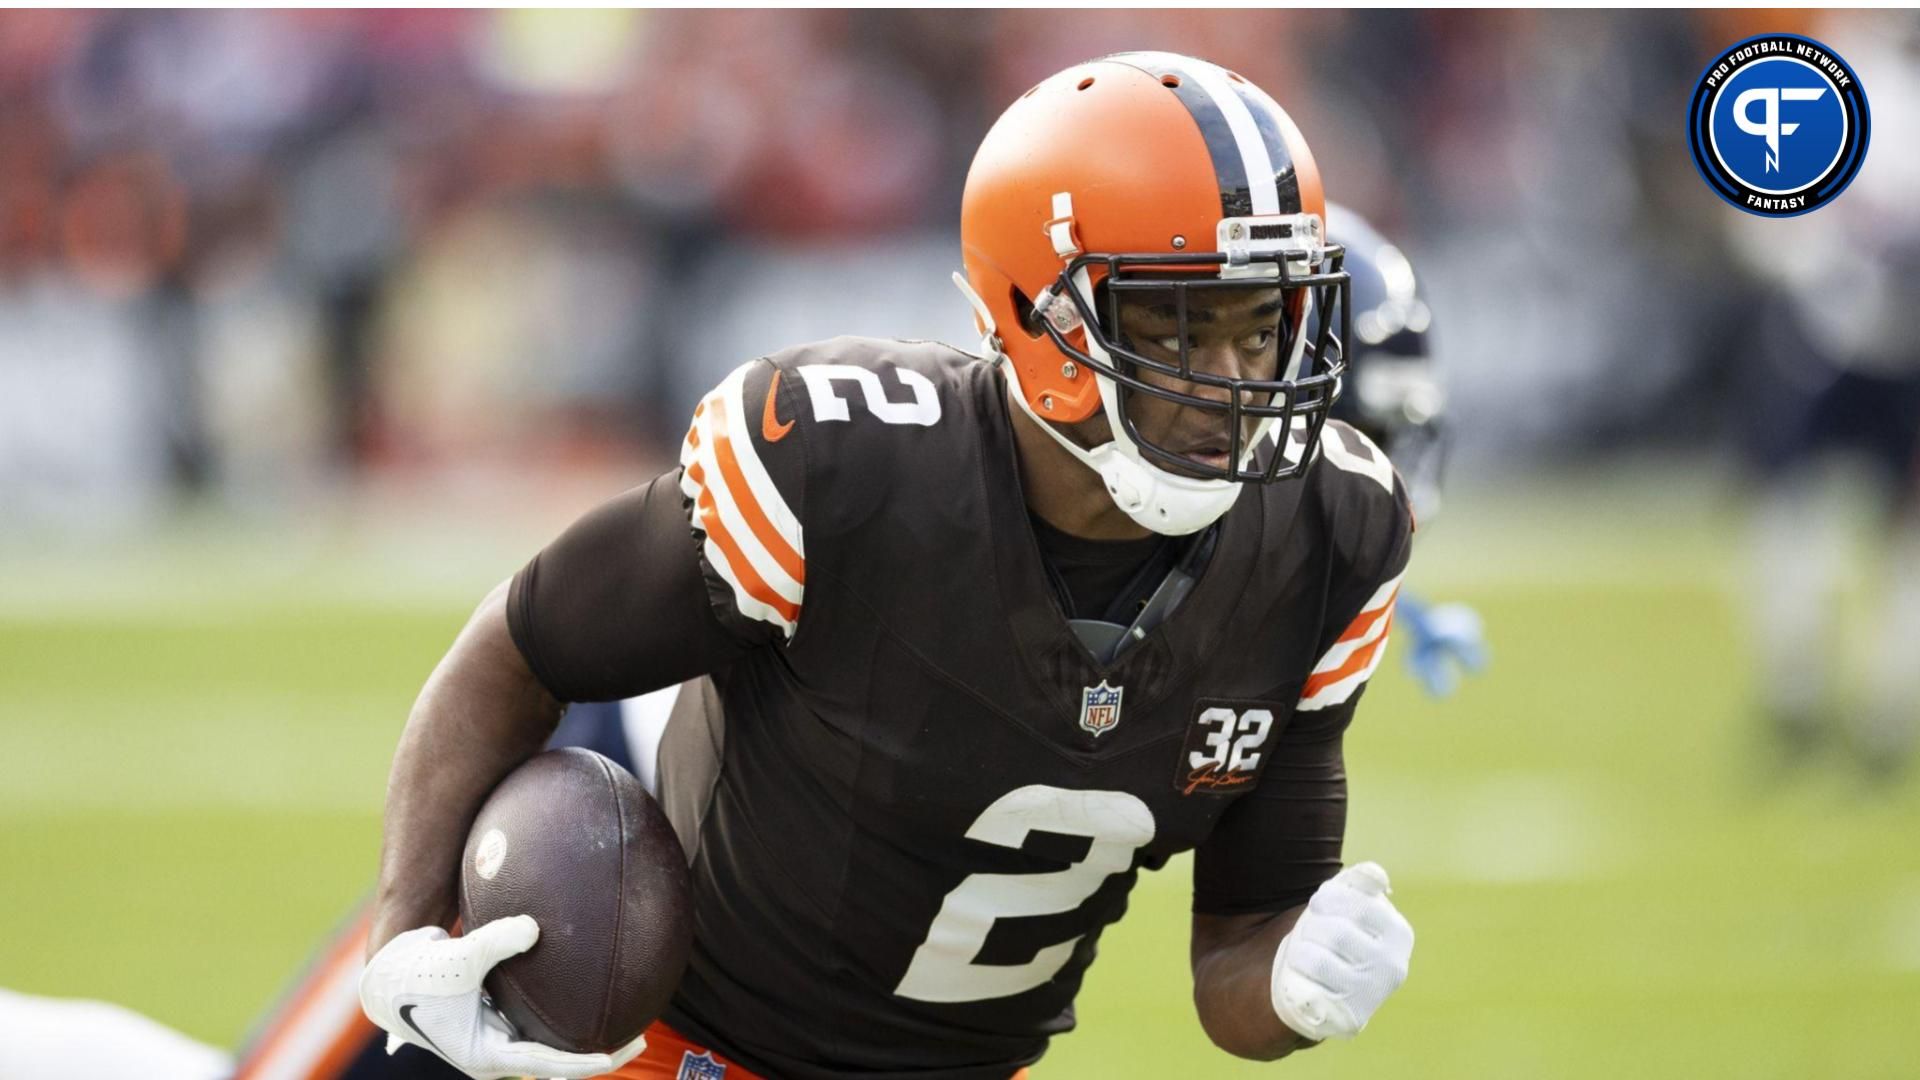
(1210, 777)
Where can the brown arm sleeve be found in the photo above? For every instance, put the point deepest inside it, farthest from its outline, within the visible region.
(1278, 843)
(618, 605)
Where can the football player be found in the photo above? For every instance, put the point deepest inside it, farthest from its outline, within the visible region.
(1393, 396)
(1834, 430)
(973, 640)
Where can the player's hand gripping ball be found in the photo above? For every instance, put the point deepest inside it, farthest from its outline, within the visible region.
(423, 987)
(1346, 954)
(574, 895)
(575, 841)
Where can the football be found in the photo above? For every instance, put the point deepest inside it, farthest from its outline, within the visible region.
(575, 841)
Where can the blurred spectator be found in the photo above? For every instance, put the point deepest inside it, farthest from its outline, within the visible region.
(1832, 398)
(255, 252)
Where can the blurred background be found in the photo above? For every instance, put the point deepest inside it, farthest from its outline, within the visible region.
(313, 325)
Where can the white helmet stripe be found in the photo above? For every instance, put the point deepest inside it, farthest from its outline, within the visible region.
(1208, 92)
(1262, 187)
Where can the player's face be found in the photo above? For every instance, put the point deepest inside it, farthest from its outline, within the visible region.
(1235, 333)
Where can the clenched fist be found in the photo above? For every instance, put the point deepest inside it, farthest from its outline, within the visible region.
(1346, 954)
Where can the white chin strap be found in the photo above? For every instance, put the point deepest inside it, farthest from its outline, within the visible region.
(1161, 501)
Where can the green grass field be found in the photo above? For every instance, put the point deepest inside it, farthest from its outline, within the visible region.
(194, 737)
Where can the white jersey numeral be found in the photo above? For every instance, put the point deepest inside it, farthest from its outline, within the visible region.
(1234, 745)
(923, 410)
(1369, 462)
(943, 968)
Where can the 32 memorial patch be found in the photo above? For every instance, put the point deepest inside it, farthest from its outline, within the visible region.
(1224, 746)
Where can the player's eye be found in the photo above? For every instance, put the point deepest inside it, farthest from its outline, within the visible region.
(1258, 340)
(1170, 344)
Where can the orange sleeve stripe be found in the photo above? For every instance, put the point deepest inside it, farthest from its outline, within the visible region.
(693, 429)
(750, 581)
(349, 1044)
(1355, 663)
(310, 998)
(763, 529)
(1365, 620)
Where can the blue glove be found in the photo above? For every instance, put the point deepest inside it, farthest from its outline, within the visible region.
(1443, 641)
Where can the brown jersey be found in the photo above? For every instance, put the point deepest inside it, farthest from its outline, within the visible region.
(911, 797)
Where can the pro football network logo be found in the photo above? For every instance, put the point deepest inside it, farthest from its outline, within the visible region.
(1100, 707)
(1778, 125)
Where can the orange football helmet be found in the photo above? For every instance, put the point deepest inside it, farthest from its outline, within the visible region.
(1153, 171)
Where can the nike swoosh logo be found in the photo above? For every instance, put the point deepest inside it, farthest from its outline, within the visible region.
(771, 429)
(406, 1017)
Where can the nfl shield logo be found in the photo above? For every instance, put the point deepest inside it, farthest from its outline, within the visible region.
(1100, 708)
(700, 1067)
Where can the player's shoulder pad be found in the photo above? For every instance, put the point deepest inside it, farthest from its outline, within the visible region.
(834, 425)
(746, 491)
(871, 385)
(1362, 500)
(877, 414)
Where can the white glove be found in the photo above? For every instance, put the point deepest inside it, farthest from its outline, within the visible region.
(1346, 954)
(424, 988)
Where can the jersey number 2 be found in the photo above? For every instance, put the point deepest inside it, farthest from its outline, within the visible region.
(923, 410)
(943, 968)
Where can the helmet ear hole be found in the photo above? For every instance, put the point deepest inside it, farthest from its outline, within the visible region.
(1029, 319)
